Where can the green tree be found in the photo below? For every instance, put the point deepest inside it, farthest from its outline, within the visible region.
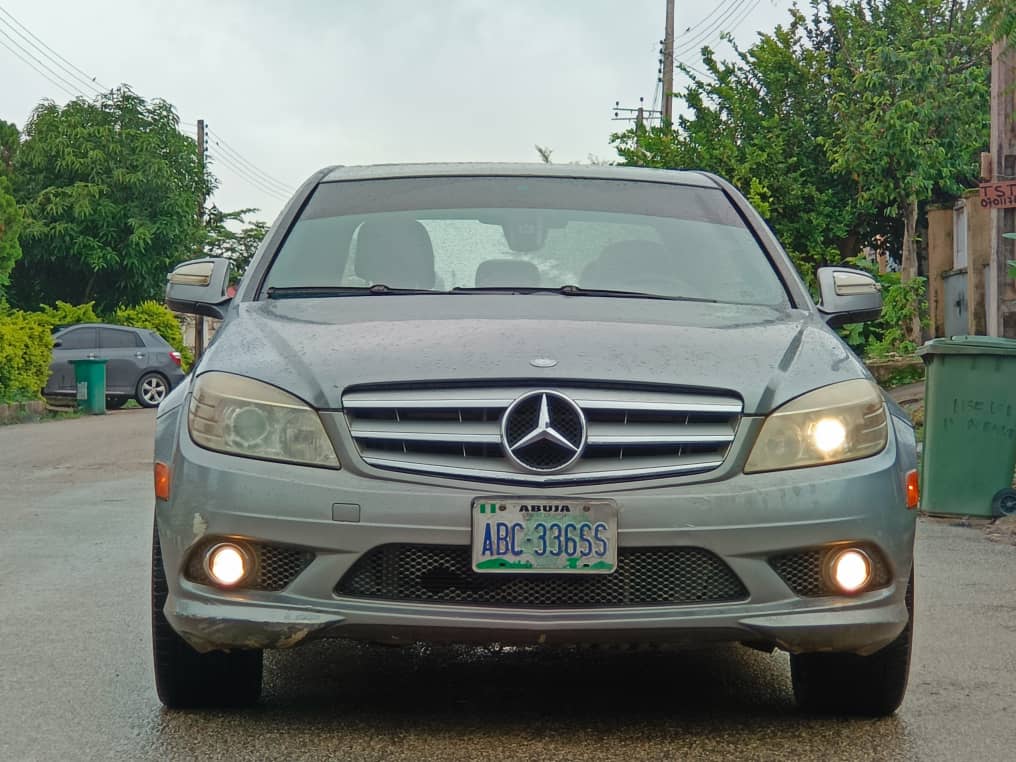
(110, 189)
(910, 103)
(232, 235)
(10, 229)
(10, 139)
(10, 214)
(757, 121)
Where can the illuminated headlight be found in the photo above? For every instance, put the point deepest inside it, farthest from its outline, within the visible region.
(241, 416)
(844, 421)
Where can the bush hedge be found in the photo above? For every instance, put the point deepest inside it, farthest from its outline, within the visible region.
(67, 314)
(26, 343)
(26, 348)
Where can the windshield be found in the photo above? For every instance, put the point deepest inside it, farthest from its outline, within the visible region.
(519, 233)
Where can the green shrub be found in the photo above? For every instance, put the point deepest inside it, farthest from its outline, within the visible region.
(26, 350)
(159, 318)
(901, 303)
(67, 314)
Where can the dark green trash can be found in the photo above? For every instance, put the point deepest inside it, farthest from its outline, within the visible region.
(90, 379)
(969, 426)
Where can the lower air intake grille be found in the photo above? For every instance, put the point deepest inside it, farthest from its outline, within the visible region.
(804, 572)
(276, 566)
(443, 573)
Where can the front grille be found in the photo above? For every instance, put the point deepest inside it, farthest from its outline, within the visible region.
(804, 572)
(632, 432)
(275, 566)
(443, 573)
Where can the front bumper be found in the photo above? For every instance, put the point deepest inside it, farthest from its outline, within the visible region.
(746, 520)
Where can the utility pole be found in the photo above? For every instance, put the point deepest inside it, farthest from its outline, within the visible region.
(1001, 292)
(638, 115)
(199, 321)
(668, 67)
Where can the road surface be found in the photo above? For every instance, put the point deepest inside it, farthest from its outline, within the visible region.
(75, 662)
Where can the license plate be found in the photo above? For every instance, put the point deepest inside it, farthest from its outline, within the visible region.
(544, 535)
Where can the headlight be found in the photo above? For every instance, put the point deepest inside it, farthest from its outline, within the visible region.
(241, 416)
(844, 421)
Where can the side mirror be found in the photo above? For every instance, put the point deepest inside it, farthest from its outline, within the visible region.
(199, 287)
(57, 344)
(848, 296)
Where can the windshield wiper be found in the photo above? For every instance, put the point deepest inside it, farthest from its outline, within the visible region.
(571, 290)
(310, 292)
(579, 291)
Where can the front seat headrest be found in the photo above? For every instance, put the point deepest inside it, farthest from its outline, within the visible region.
(395, 252)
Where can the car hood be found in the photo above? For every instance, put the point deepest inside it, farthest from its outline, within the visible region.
(317, 348)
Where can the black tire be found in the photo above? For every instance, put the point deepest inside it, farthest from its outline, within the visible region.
(871, 686)
(187, 679)
(115, 403)
(152, 389)
(1004, 503)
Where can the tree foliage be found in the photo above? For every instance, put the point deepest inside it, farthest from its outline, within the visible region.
(910, 100)
(757, 121)
(10, 230)
(839, 124)
(233, 235)
(110, 189)
(10, 214)
(63, 313)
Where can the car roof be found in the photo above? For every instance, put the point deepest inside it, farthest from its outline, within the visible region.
(595, 171)
(62, 328)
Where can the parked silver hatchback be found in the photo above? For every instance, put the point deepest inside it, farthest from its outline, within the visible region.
(530, 405)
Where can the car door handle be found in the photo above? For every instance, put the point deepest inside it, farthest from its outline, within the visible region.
(140, 355)
(90, 356)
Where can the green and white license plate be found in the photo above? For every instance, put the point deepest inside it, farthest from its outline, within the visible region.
(544, 535)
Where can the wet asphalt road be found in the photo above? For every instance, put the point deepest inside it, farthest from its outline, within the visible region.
(75, 663)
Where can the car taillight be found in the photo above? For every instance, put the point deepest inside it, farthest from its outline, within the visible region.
(175, 356)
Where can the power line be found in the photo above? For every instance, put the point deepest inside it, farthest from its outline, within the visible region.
(247, 177)
(68, 87)
(741, 7)
(247, 163)
(708, 16)
(705, 34)
(77, 76)
(744, 15)
(72, 80)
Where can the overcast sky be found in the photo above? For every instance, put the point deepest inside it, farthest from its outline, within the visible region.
(294, 86)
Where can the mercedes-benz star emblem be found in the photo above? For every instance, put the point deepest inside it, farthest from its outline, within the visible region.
(543, 431)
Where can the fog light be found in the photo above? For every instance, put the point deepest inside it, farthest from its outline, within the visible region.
(851, 570)
(227, 564)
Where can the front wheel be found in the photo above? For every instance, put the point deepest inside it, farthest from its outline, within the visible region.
(151, 390)
(872, 686)
(185, 678)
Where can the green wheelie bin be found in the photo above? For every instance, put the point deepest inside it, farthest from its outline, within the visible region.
(969, 426)
(90, 379)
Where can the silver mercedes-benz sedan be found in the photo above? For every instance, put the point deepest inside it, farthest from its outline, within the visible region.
(530, 405)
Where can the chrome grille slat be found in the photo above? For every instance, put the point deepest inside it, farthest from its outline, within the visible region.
(456, 431)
